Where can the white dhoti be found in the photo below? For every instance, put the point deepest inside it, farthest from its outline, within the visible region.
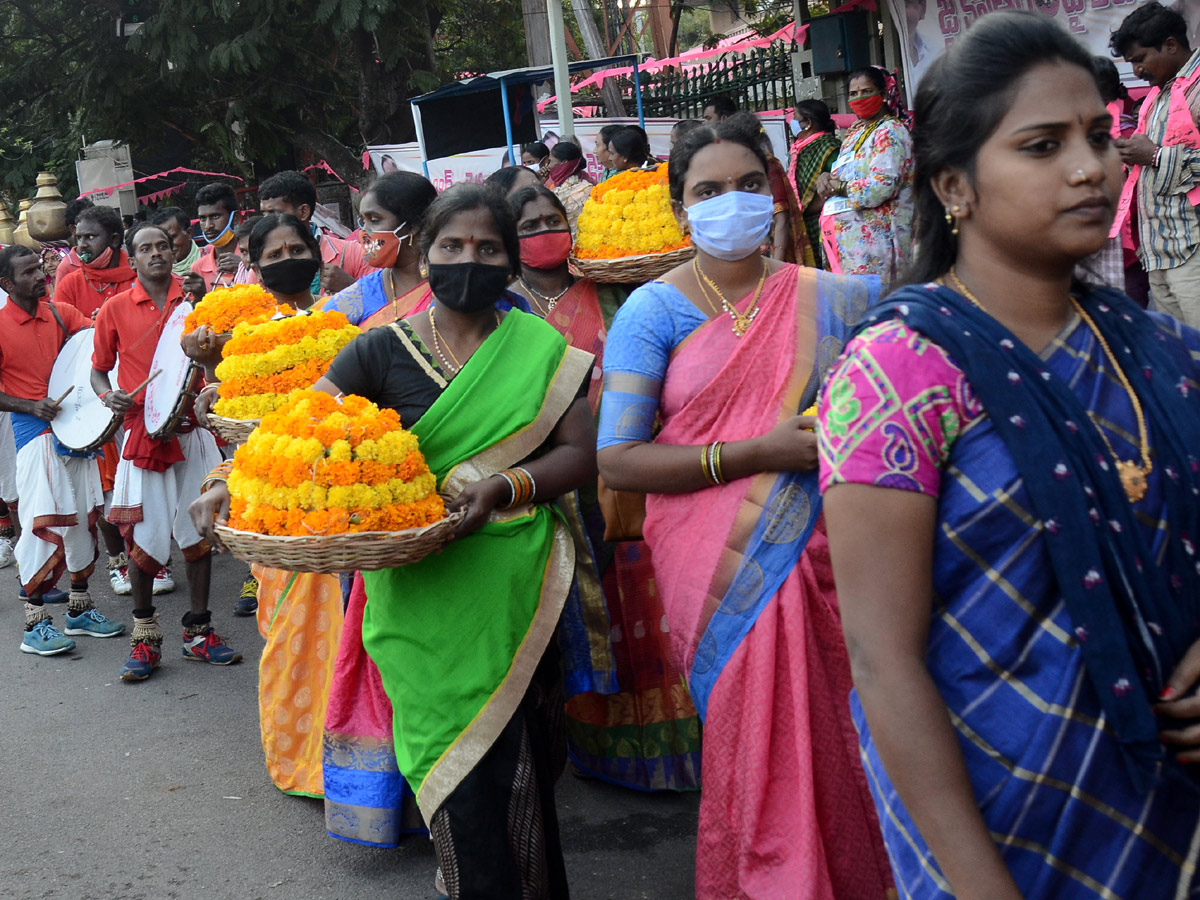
(8, 460)
(150, 508)
(60, 503)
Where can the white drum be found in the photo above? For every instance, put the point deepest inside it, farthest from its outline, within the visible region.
(169, 396)
(83, 423)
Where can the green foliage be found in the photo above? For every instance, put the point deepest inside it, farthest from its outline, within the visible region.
(325, 76)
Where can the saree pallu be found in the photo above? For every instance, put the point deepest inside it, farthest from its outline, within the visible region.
(458, 635)
(365, 303)
(642, 731)
(300, 616)
(745, 579)
(367, 800)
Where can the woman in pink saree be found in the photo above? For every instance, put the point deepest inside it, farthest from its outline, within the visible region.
(724, 353)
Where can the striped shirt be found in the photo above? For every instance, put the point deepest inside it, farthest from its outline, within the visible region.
(1168, 224)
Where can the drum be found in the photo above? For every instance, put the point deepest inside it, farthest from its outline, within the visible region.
(169, 397)
(83, 423)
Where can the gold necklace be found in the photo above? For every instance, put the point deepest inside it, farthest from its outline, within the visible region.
(1133, 476)
(549, 302)
(439, 340)
(741, 321)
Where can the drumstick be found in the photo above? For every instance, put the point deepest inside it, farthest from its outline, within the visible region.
(137, 390)
(66, 394)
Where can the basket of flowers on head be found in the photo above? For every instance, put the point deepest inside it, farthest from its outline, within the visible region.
(329, 484)
(627, 231)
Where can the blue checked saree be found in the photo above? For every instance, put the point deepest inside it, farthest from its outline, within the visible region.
(1060, 608)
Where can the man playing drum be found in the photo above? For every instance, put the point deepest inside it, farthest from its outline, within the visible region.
(156, 479)
(60, 495)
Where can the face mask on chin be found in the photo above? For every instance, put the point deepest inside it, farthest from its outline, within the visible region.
(96, 262)
(468, 287)
(732, 225)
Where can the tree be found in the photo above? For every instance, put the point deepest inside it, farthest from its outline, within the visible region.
(245, 82)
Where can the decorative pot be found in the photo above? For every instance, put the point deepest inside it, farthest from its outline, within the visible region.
(21, 234)
(47, 217)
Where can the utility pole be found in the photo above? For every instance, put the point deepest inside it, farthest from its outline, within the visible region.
(562, 79)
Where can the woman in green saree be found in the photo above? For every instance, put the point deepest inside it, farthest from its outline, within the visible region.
(463, 639)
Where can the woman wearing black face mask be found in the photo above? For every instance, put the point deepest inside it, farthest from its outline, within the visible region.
(286, 256)
(462, 639)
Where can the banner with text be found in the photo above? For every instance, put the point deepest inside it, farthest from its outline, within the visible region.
(928, 27)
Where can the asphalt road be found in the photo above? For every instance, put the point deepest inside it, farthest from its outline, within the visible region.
(158, 790)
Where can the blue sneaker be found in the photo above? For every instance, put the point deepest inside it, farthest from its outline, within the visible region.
(93, 624)
(46, 640)
(54, 595)
(207, 647)
(143, 659)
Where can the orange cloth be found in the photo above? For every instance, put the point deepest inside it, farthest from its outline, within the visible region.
(352, 261)
(68, 264)
(88, 288)
(300, 615)
(107, 462)
(29, 346)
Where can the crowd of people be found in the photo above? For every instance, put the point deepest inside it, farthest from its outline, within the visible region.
(875, 520)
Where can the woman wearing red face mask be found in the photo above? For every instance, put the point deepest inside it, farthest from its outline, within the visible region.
(649, 703)
(866, 222)
(391, 213)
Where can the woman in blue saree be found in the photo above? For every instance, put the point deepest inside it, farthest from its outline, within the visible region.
(1010, 474)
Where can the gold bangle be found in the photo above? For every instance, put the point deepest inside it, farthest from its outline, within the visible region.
(717, 462)
(704, 463)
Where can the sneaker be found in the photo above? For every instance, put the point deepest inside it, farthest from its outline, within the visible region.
(118, 577)
(92, 623)
(45, 640)
(208, 647)
(247, 603)
(163, 582)
(7, 557)
(51, 596)
(143, 659)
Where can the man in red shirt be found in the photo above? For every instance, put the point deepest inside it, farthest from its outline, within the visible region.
(156, 479)
(70, 262)
(216, 207)
(291, 192)
(60, 494)
(104, 273)
(105, 270)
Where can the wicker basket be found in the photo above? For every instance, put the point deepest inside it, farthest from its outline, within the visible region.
(632, 269)
(328, 554)
(232, 431)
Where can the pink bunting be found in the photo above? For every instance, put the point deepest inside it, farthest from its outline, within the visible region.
(109, 190)
(324, 166)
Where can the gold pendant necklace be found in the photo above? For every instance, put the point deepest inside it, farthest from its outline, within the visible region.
(1133, 475)
(741, 321)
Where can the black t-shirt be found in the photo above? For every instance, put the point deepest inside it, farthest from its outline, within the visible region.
(392, 368)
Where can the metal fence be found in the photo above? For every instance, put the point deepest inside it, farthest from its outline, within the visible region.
(758, 80)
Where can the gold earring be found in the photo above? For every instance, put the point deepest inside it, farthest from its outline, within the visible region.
(951, 221)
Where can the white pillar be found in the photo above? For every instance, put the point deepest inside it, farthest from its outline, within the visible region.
(562, 81)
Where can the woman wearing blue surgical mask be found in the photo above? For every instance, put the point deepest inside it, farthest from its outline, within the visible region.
(391, 213)
(706, 374)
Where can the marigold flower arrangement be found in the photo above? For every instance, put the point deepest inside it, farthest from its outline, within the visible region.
(629, 215)
(224, 307)
(266, 363)
(320, 465)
